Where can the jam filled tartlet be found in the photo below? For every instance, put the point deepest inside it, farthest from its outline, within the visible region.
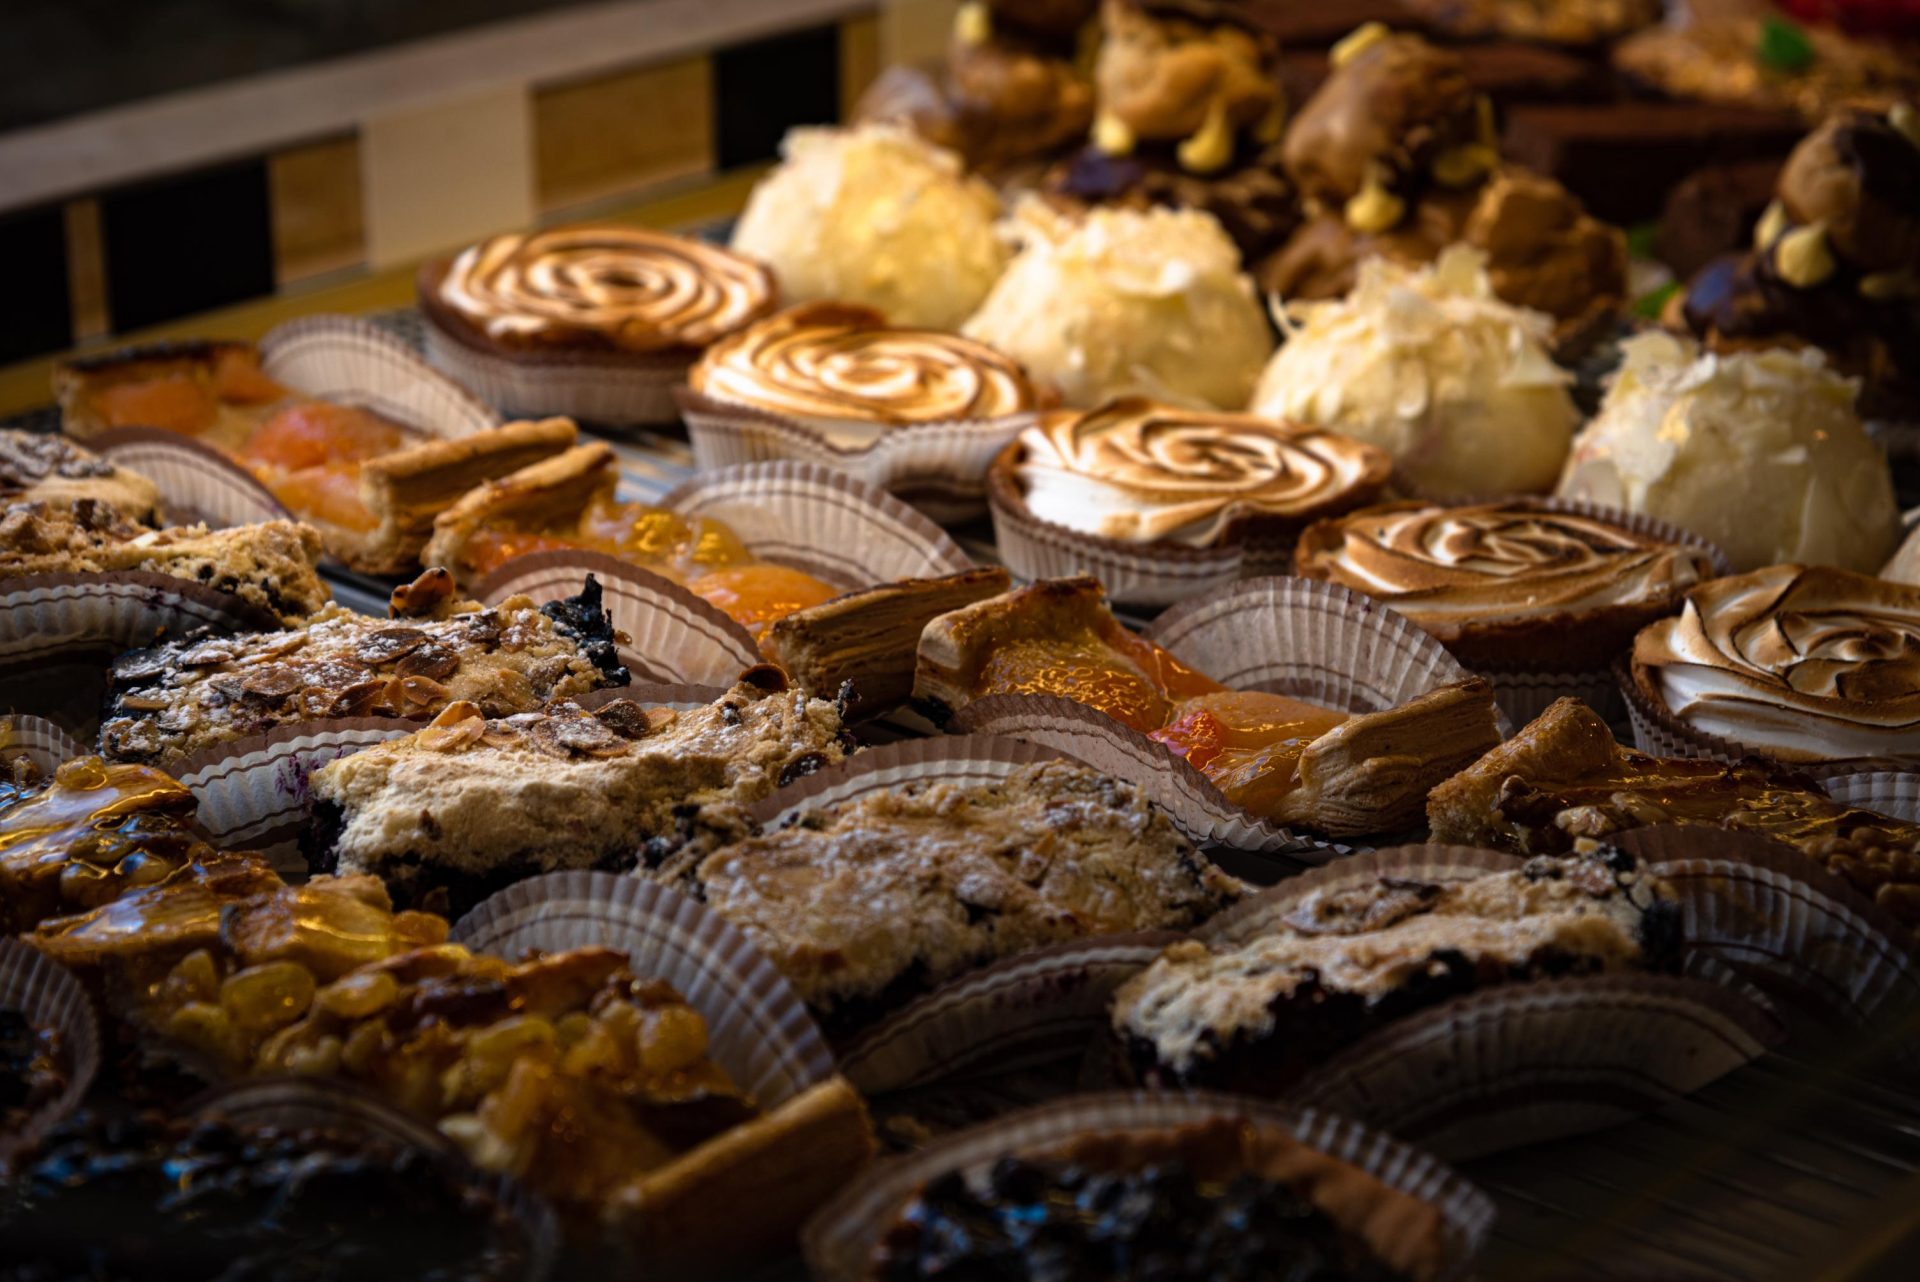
(1806, 666)
(1254, 1013)
(369, 482)
(1138, 492)
(597, 322)
(1524, 591)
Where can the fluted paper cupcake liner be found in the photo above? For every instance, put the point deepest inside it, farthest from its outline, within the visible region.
(674, 637)
(1140, 574)
(757, 1028)
(839, 1242)
(523, 1221)
(1800, 933)
(49, 999)
(335, 358)
(963, 760)
(1525, 1063)
(940, 468)
(1035, 1008)
(610, 389)
(45, 743)
(1895, 793)
(821, 521)
(1658, 733)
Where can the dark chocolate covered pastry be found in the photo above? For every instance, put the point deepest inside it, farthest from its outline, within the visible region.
(1252, 198)
(1251, 1014)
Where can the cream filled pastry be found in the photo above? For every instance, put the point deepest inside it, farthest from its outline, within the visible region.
(1762, 453)
(1433, 368)
(1493, 579)
(876, 215)
(1124, 302)
(842, 370)
(623, 288)
(1796, 663)
(1141, 472)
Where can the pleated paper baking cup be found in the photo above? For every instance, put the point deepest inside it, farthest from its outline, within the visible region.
(53, 1002)
(1894, 793)
(673, 636)
(252, 792)
(1525, 1063)
(839, 1242)
(525, 1229)
(44, 743)
(1658, 733)
(962, 760)
(1139, 574)
(822, 521)
(1041, 1007)
(757, 1028)
(940, 468)
(197, 482)
(610, 389)
(1803, 935)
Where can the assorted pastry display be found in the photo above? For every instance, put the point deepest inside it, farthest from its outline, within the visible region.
(38, 468)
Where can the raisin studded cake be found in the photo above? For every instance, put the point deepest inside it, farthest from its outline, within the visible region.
(1254, 1015)
(512, 657)
(864, 905)
(270, 565)
(469, 804)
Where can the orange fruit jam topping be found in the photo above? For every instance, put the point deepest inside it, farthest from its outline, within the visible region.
(1247, 742)
(758, 596)
(309, 454)
(177, 402)
(1081, 668)
(237, 380)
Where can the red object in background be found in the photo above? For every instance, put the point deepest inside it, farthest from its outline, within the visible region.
(1877, 17)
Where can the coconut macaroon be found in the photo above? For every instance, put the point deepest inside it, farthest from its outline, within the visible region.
(1128, 302)
(875, 215)
(1429, 365)
(1762, 453)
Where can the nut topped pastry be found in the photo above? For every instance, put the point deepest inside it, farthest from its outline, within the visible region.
(864, 904)
(469, 804)
(1791, 663)
(1562, 22)
(843, 370)
(1565, 777)
(271, 565)
(38, 467)
(1501, 582)
(1249, 1014)
(1194, 72)
(1431, 366)
(1835, 260)
(1141, 472)
(1679, 425)
(876, 216)
(187, 695)
(598, 287)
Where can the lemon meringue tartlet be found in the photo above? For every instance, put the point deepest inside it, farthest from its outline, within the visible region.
(1429, 365)
(1761, 453)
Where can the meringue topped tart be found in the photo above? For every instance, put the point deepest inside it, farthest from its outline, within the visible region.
(1511, 580)
(842, 370)
(569, 502)
(1137, 471)
(1790, 662)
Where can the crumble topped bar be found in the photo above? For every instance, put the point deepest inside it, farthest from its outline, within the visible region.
(270, 565)
(1345, 961)
(864, 904)
(43, 468)
(470, 804)
(513, 657)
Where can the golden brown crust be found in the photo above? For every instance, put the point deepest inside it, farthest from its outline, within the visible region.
(952, 646)
(551, 492)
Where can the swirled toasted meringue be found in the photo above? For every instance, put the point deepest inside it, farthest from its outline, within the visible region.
(1759, 452)
(1125, 302)
(624, 287)
(1455, 569)
(876, 215)
(1797, 663)
(1429, 365)
(1142, 472)
(845, 372)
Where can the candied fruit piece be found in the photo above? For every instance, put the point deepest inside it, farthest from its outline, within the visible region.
(268, 996)
(356, 996)
(672, 1038)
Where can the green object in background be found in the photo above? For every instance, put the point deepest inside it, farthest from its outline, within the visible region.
(1649, 306)
(1783, 46)
(1640, 238)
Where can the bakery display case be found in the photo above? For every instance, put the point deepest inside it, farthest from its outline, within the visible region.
(1090, 639)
